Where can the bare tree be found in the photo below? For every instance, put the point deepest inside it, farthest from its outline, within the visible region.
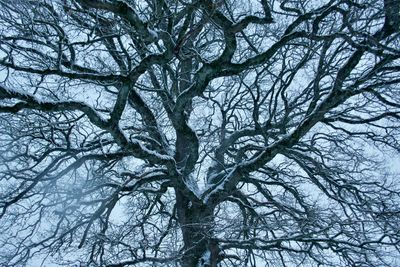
(199, 133)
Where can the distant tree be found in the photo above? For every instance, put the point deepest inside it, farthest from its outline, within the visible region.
(199, 133)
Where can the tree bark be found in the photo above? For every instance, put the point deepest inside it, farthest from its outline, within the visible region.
(196, 223)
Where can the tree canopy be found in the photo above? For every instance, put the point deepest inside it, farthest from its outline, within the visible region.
(199, 133)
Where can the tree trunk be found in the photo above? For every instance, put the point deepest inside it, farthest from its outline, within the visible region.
(196, 223)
